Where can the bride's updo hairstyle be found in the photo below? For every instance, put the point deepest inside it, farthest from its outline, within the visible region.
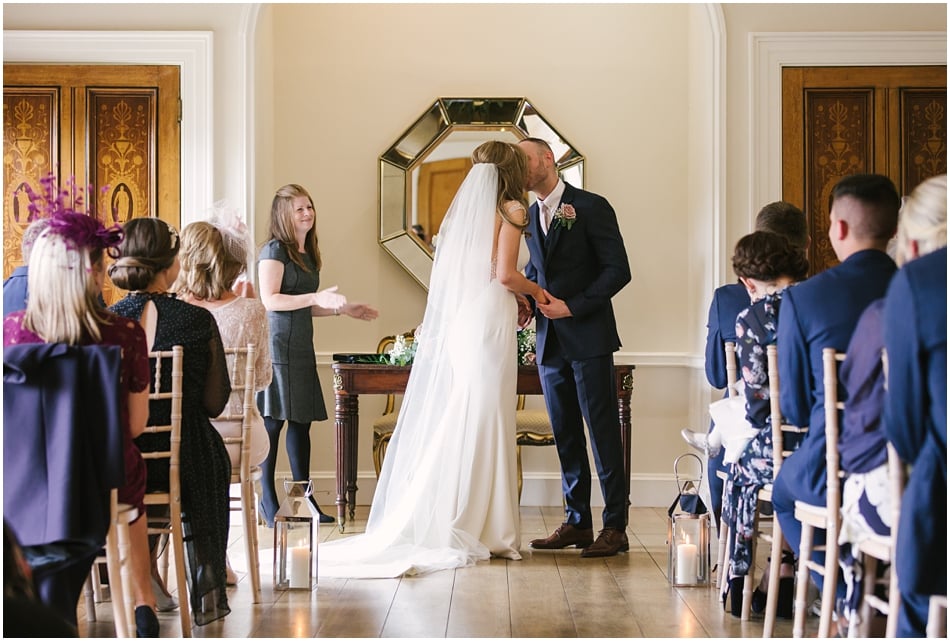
(149, 247)
(512, 165)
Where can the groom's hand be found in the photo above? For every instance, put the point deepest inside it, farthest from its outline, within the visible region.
(555, 307)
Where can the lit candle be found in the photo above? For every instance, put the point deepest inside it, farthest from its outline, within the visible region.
(299, 567)
(687, 562)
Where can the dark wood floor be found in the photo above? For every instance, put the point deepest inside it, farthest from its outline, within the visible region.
(547, 594)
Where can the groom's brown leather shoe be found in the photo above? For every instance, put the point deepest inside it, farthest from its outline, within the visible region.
(565, 536)
(608, 543)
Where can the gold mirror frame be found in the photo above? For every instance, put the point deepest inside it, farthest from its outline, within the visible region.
(445, 116)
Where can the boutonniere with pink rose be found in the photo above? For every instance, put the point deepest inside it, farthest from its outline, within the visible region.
(565, 216)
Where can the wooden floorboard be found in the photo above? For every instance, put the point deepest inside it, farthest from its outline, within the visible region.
(546, 594)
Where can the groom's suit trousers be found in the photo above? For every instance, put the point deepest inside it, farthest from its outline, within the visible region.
(577, 392)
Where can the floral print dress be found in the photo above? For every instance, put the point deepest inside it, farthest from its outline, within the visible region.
(756, 328)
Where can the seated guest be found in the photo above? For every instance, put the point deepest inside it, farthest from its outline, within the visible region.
(15, 288)
(915, 411)
(146, 265)
(63, 307)
(823, 312)
(212, 257)
(781, 218)
(766, 264)
(866, 507)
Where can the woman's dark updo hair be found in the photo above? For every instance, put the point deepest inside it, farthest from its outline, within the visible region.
(149, 247)
(767, 256)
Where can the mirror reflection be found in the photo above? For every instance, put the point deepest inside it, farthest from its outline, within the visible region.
(420, 173)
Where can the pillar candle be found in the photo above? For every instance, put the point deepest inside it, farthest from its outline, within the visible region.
(299, 567)
(687, 563)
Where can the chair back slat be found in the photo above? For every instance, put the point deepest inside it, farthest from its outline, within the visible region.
(242, 382)
(171, 498)
(833, 409)
(732, 376)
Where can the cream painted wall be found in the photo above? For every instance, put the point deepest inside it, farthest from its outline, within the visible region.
(629, 85)
(360, 86)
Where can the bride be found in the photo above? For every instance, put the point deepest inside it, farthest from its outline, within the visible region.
(447, 494)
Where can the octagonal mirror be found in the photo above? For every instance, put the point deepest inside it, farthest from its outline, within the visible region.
(420, 173)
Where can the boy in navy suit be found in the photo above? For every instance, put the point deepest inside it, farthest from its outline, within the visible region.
(784, 219)
(578, 257)
(823, 312)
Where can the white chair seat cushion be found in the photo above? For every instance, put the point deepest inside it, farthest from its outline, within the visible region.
(814, 515)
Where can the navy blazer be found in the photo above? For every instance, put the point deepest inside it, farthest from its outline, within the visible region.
(727, 302)
(15, 290)
(62, 441)
(585, 266)
(915, 416)
(818, 313)
(862, 444)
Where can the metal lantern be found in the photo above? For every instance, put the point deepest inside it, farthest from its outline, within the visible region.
(688, 532)
(295, 546)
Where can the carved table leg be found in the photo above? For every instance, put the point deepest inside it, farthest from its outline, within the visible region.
(347, 430)
(623, 401)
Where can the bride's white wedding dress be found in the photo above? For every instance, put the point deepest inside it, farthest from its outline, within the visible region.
(447, 494)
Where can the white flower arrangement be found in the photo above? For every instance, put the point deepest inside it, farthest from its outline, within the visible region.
(527, 343)
(403, 350)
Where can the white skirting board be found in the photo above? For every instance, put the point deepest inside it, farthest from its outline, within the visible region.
(646, 490)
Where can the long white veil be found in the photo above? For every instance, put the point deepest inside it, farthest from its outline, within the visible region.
(408, 528)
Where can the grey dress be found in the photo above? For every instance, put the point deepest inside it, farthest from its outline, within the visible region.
(294, 393)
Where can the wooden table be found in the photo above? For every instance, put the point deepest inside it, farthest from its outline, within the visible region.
(352, 379)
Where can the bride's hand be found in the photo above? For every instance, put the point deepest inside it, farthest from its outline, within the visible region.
(525, 313)
(541, 296)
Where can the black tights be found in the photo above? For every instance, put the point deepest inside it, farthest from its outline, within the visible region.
(298, 451)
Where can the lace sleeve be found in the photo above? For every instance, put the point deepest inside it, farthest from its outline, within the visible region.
(263, 371)
(218, 384)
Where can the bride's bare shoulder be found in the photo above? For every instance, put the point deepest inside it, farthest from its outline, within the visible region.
(515, 213)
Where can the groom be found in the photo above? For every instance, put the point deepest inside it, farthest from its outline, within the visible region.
(578, 257)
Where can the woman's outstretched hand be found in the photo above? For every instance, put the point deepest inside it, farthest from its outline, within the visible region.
(361, 311)
(329, 299)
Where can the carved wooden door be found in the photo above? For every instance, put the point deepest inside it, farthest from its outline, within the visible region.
(840, 121)
(114, 128)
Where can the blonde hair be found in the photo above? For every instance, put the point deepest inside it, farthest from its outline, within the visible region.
(923, 219)
(512, 165)
(282, 225)
(209, 263)
(63, 302)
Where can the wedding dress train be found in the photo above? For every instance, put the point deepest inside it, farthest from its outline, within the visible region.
(447, 494)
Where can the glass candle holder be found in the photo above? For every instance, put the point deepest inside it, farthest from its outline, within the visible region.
(294, 543)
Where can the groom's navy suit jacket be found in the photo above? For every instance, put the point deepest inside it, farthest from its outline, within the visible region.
(584, 266)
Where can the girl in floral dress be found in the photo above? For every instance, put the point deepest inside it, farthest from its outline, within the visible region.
(766, 264)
